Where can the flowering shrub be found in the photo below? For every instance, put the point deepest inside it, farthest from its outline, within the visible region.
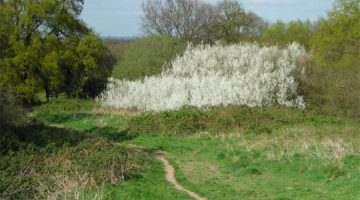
(240, 74)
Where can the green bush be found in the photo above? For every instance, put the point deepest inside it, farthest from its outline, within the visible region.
(145, 57)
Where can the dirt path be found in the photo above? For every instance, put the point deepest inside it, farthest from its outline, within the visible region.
(169, 171)
(29, 112)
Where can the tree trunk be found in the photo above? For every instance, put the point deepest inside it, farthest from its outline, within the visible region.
(47, 93)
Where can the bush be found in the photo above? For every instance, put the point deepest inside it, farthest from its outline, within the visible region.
(242, 74)
(144, 57)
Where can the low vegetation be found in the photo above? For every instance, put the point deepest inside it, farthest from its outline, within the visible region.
(227, 152)
(42, 162)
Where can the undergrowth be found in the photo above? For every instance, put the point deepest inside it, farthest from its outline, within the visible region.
(62, 104)
(42, 162)
(190, 119)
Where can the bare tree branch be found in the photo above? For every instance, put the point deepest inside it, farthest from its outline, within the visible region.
(184, 19)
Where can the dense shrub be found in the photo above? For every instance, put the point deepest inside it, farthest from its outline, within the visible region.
(144, 57)
(241, 74)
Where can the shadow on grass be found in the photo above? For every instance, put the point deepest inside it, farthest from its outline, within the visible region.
(114, 134)
(86, 122)
(37, 133)
(65, 117)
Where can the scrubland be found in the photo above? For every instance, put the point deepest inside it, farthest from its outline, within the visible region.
(241, 131)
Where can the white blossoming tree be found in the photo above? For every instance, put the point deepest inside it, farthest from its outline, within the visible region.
(241, 74)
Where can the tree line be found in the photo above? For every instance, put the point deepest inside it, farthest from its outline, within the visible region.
(199, 21)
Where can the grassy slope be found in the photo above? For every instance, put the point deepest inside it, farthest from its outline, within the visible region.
(314, 159)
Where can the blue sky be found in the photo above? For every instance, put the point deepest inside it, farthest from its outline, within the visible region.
(121, 17)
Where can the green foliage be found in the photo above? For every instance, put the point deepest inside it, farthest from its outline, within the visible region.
(334, 78)
(45, 46)
(338, 37)
(96, 65)
(281, 33)
(145, 57)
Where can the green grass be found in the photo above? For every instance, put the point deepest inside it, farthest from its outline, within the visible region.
(306, 155)
(149, 186)
(228, 168)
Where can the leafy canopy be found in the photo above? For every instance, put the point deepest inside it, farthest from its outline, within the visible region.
(46, 46)
(335, 47)
(338, 37)
(282, 33)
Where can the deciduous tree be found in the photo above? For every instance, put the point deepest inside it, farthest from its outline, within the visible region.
(338, 36)
(43, 47)
(184, 19)
(233, 24)
(335, 78)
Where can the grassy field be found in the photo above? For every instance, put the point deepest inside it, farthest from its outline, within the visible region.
(233, 152)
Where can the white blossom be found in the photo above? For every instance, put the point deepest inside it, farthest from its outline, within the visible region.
(240, 74)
